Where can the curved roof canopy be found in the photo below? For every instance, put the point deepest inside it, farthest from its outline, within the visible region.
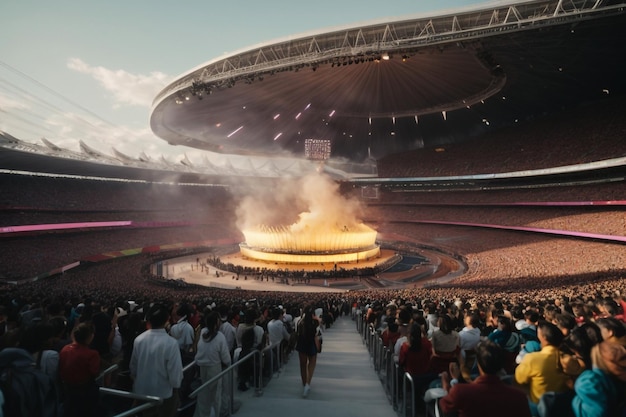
(390, 86)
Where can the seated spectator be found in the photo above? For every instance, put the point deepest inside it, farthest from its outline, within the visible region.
(446, 346)
(469, 337)
(600, 390)
(391, 334)
(487, 395)
(528, 332)
(612, 330)
(507, 339)
(416, 352)
(415, 355)
(574, 358)
(608, 307)
(538, 372)
(566, 322)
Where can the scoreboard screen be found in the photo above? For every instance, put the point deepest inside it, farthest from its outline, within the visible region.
(317, 149)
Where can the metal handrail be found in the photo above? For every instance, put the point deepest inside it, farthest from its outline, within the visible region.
(149, 400)
(383, 361)
(408, 380)
(152, 401)
(109, 370)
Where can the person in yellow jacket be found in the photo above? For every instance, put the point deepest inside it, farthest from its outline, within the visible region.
(539, 372)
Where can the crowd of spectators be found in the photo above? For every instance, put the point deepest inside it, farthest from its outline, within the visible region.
(566, 350)
(287, 276)
(119, 288)
(586, 134)
(508, 272)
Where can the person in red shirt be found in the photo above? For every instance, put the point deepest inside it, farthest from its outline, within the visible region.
(78, 368)
(391, 334)
(487, 395)
(414, 358)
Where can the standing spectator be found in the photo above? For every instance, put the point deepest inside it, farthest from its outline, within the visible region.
(307, 347)
(278, 335)
(538, 372)
(183, 332)
(211, 357)
(155, 365)
(250, 336)
(276, 329)
(78, 368)
(228, 329)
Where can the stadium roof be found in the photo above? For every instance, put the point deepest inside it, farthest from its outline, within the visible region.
(389, 86)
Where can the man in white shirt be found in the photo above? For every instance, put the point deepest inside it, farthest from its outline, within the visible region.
(276, 329)
(278, 335)
(156, 366)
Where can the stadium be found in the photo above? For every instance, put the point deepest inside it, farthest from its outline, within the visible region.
(485, 146)
(516, 122)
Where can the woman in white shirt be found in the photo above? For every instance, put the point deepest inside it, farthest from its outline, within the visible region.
(212, 355)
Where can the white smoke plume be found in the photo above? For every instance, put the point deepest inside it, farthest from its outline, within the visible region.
(308, 203)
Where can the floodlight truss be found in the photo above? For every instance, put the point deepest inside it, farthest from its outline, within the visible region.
(403, 38)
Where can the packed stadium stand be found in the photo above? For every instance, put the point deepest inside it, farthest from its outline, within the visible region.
(529, 220)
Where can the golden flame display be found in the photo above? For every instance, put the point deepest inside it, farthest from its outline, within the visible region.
(310, 244)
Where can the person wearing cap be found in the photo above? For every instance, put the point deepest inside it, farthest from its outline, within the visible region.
(600, 390)
(156, 366)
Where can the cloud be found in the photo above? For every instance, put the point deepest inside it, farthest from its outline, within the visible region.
(127, 88)
(8, 103)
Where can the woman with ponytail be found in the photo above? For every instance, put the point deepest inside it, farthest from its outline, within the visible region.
(308, 344)
(212, 355)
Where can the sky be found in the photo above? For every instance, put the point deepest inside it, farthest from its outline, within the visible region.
(75, 70)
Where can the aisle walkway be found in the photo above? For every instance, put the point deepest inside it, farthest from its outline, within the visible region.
(344, 383)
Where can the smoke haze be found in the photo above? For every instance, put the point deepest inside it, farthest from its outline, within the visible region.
(312, 202)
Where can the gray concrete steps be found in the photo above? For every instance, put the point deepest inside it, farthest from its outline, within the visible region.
(344, 383)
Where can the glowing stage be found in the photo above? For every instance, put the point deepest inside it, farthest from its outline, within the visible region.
(303, 245)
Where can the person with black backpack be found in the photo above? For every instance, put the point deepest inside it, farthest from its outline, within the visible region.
(250, 336)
